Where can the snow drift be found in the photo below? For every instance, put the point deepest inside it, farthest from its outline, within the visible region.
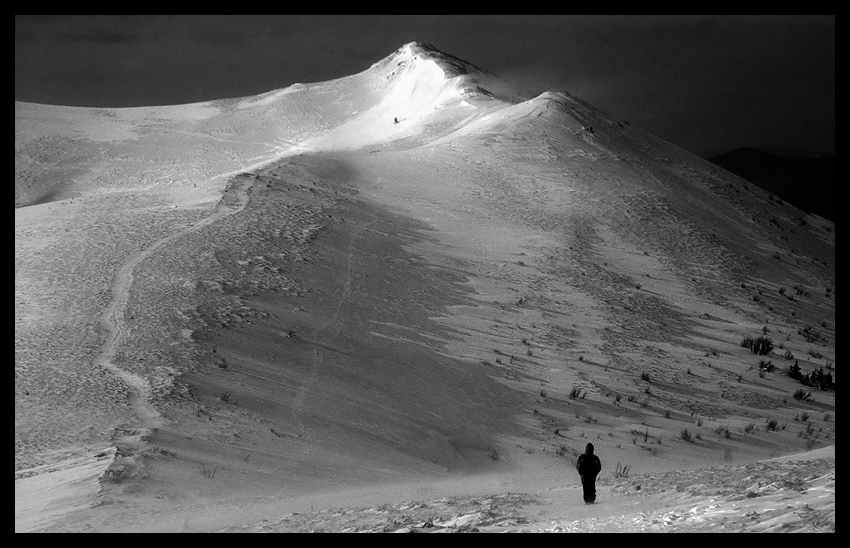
(408, 282)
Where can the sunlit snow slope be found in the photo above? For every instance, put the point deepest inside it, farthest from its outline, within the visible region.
(64, 151)
(410, 281)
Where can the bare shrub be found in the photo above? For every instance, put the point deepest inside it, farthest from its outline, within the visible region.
(723, 431)
(760, 345)
(802, 395)
(810, 334)
(622, 471)
(795, 372)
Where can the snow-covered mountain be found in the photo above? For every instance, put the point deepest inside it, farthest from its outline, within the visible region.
(409, 282)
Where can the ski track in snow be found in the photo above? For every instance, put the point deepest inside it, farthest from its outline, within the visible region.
(332, 328)
(112, 318)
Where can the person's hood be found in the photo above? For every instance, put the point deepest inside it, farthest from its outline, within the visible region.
(589, 449)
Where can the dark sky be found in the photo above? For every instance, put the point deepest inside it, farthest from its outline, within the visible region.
(709, 83)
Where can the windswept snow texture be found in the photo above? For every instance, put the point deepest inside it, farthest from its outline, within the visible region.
(412, 292)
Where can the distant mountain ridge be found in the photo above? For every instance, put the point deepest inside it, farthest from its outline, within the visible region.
(808, 182)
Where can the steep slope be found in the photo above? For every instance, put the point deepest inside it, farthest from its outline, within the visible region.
(292, 298)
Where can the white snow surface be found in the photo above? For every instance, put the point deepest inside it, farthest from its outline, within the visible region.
(590, 249)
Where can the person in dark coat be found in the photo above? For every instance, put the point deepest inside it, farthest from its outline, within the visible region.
(588, 466)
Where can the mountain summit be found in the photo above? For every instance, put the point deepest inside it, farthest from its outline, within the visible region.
(416, 61)
(451, 65)
(405, 283)
(416, 92)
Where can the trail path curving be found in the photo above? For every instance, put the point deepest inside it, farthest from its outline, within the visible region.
(112, 318)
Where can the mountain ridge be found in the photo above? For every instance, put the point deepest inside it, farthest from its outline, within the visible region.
(321, 304)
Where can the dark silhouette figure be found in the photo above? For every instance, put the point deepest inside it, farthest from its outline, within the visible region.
(588, 466)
